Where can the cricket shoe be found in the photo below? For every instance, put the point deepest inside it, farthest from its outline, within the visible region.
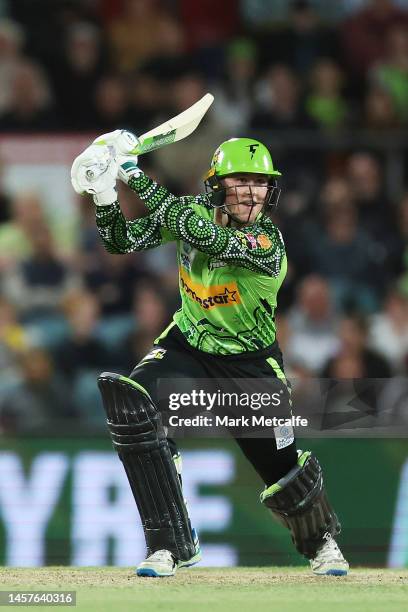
(163, 563)
(160, 564)
(329, 560)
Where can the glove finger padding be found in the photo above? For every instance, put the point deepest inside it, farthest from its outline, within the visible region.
(299, 502)
(123, 141)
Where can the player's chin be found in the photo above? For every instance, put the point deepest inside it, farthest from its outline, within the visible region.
(245, 219)
(244, 213)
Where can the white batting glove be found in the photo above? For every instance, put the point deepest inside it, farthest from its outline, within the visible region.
(128, 167)
(94, 171)
(122, 142)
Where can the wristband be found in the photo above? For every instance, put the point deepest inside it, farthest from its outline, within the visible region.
(106, 197)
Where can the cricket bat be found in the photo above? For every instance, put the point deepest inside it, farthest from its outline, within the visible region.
(170, 131)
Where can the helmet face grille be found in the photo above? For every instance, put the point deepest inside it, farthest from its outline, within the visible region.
(219, 195)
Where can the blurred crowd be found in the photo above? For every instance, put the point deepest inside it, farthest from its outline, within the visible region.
(278, 69)
(93, 64)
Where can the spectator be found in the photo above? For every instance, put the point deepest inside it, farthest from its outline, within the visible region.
(82, 349)
(280, 105)
(111, 105)
(39, 283)
(233, 96)
(366, 180)
(169, 59)
(296, 369)
(375, 215)
(359, 372)
(13, 338)
(40, 401)
(27, 215)
(353, 333)
(350, 401)
(345, 366)
(147, 99)
(150, 314)
(75, 74)
(344, 254)
(89, 258)
(304, 40)
(152, 81)
(364, 33)
(391, 73)
(12, 39)
(112, 280)
(379, 111)
(46, 22)
(389, 331)
(325, 103)
(30, 107)
(202, 29)
(135, 36)
(313, 325)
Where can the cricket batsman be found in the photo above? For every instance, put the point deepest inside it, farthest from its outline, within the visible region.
(232, 263)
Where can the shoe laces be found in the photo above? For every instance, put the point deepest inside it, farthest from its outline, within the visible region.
(328, 550)
(161, 555)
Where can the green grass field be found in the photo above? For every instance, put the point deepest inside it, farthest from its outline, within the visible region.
(218, 589)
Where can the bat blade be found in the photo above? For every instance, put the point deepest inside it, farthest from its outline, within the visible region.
(174, 129)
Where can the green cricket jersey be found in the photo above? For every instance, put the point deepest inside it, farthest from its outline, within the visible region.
(229, 278)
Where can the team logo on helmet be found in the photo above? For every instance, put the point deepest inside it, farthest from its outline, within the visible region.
(215, 158)
(252, 149)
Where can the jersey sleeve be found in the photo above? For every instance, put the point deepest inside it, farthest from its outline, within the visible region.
(122, 236)
(261, 248)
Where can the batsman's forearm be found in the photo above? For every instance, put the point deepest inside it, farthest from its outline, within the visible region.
(177, 216)
(153, 194)
(122, 236)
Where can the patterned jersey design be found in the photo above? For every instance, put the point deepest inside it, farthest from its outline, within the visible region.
(229, 278)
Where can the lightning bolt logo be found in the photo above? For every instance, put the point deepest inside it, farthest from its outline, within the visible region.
(252, 149)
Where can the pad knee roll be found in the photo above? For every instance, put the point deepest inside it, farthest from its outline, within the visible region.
(299, 502)
(138, 436)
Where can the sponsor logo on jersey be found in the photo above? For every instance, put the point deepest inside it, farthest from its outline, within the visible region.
(185, 261)
(251, 240)
(212, 296)
(186, 248)
(214, 264)
(284, 436)
(187, 254)
(157, 353)
(264, 241)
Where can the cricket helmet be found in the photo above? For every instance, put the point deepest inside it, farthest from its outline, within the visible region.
(241, 156)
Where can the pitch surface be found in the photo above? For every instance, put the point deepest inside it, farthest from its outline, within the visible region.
(218, 589)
